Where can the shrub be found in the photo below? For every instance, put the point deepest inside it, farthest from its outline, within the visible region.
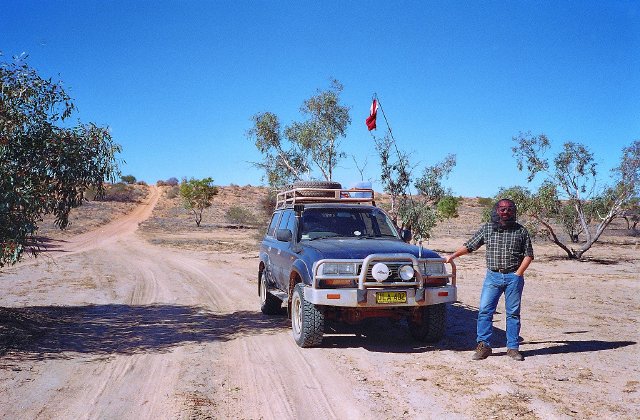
(171, 182)
(173, 192)
(267, 205)
(128, 179)
(240, 216)
(485, 201)
(122, 193)
(197, 195)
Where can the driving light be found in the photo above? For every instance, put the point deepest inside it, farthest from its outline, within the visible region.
(406, 272)
(380, 272)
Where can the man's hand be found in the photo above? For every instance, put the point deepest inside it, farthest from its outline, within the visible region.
(460, 251)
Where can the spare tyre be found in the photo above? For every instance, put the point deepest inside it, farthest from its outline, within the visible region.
(332, 185)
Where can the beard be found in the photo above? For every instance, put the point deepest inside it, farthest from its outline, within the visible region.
(504, 220)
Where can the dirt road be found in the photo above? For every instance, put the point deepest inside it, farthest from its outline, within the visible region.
(128, 330)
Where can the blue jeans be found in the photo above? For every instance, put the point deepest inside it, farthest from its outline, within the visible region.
(495, 284)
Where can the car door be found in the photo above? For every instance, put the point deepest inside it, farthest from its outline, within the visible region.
(284, 256)
(270, 248)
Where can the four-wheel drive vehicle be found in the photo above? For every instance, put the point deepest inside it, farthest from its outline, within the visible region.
(331, 254)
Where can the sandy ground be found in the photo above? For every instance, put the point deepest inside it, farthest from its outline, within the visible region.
(127, 325)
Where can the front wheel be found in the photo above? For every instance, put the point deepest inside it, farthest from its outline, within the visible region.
(428, 323)
(307, 321)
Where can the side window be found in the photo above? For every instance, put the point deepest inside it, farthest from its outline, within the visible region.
(291, 223)
(271, 231)
(284, 222)
(384, 224)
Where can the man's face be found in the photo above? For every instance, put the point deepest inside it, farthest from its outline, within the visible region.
(506, 210)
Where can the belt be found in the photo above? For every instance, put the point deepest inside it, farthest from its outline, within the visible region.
(504, 271)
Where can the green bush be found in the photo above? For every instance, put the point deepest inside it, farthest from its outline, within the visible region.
(128, 179)
(240, 216)
(197, 195)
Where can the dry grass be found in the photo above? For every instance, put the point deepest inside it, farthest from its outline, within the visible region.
(92, 214)
(174, 226)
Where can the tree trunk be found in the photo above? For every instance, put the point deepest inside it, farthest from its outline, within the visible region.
(593, 239)
(554, 238)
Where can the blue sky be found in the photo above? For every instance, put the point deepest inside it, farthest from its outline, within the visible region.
(178, 81)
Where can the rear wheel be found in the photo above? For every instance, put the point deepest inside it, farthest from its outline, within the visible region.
(307, 321)
(269, 304)
(429, 323)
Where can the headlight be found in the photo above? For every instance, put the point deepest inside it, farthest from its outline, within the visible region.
(406, 272)
(432, 269)
(344, 269)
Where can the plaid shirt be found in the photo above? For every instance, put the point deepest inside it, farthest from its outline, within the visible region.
(505, 248)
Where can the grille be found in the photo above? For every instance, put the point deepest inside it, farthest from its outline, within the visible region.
(394, 267)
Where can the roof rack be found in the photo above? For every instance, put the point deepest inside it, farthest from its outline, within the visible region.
(294, 196)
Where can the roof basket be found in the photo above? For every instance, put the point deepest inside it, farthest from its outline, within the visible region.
(288, 198)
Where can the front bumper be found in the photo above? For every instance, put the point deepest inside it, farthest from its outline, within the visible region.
(356, 298)
(418, 293)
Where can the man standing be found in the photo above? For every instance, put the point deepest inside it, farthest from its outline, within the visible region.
(509, 253)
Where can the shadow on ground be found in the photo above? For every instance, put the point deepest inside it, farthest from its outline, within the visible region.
(382, 335)
(44, 245)
(54, 332)
(387, 336)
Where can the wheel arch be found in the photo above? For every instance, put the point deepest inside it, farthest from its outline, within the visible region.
(294, 278)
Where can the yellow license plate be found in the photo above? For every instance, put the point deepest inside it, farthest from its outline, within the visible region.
(391, 297)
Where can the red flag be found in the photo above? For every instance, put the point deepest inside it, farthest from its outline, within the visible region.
(371, 120)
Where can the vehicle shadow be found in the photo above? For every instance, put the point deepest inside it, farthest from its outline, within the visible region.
(380, 335)
(49, 332)
(383, 335)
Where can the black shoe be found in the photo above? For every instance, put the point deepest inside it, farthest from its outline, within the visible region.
(482, 351)
(515, 355)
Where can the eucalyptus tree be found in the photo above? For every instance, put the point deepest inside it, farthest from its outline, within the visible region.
(45, 166)
(570, 194)
(417, 213)
(197, 195)
(447, 208)
(294, 152)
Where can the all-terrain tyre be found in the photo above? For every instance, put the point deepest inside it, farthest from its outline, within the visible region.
(428, 324)
(317, 184)
(269, 304)
(307, 321)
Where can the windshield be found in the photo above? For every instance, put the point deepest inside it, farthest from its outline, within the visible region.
(349, 222)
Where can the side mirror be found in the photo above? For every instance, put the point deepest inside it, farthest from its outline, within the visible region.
(405, 234)
(284, 235)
